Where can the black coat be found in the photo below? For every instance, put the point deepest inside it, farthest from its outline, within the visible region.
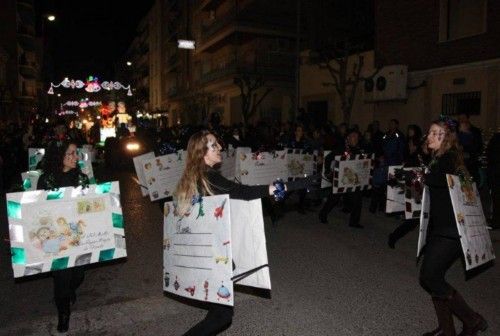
(72, 178)
(441, 217)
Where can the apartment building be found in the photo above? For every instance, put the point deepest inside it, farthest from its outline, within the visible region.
(448, 57)
(20, 58)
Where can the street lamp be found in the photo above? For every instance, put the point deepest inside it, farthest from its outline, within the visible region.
(51, 17)
(129, 63)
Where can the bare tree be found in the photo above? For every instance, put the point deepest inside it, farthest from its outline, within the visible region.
(250, 99)
(197, 105)
(345, 77)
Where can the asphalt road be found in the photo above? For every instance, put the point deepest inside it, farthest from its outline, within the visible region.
(327, 280)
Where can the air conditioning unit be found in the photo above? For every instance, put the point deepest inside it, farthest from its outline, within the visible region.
(388, 84)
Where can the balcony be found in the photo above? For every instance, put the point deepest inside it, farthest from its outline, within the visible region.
(26, 30)
(29, 3)
(26, 42)
(207, 5)
(250, 21)
(27, 71)
(268, 66)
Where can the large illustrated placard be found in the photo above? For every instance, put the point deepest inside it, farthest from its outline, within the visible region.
(139, 170)
(35, 155)
(299, 163)
(63, 228)
(261, 168)
(199, 248)
(163, 173)
(30, 179)
(352, 173)
(228, 165)
(424, 220)
(325, 180)
(413, 197)
(471, 222)
(395, 201)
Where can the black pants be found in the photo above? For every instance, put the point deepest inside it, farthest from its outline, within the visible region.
(218, 319)
(378, 198)
(405, 227)
(67, 281)
(439, 255)
(353, 201)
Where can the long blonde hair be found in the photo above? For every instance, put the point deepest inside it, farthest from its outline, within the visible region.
(194, 178)
(450, 144)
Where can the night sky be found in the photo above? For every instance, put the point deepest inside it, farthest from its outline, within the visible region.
(88, 36)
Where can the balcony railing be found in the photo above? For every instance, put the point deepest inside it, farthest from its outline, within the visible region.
(262, 67)
(249, 18)
(27, 71)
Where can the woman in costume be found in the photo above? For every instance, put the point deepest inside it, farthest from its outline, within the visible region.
(443, 245)
(200, 177)
(60, 169)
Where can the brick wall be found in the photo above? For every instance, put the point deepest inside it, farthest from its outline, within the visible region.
(407, 32)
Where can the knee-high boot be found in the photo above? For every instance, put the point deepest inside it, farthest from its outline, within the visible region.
(444, 317)
(473, 322)
(63, 313)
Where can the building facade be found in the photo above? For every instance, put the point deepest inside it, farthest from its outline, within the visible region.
(20, 59)
(233, 38)
(449, 50)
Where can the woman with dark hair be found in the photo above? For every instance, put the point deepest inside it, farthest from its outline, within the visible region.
(60, 169)
(200, 177)
(443, 245)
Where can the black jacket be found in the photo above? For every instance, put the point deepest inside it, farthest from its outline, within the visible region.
(72, 178)
(441, 217)
(220, 185)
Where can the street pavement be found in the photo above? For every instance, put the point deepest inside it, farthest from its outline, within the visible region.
(327, 279)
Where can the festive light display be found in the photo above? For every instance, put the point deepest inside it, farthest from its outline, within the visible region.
(91, 85)
(82, 103)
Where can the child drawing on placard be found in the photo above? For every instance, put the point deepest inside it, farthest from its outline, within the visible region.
(350, 177)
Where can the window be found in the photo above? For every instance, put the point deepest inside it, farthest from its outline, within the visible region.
(464, 102)
(461, 18)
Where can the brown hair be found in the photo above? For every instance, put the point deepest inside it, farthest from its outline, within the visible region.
(450, 144)
(194, 176)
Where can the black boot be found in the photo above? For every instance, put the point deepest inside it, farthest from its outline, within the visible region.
(473, 322)
(444, 317)
(63, 314)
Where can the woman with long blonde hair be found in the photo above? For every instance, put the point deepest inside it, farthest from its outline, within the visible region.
(443, 242)
(201, 177)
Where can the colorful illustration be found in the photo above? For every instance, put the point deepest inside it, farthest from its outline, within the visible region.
(223, 293)
(219, 211)
(94, 205)
(198, 199)
(349, 177)
(205, 288)
(191, 290)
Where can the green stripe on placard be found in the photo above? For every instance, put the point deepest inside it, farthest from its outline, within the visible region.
(117, 220)
(14, 209)
(27, 184)
(92, 180)
(103, 188)
(33, 160)
(18, 255)
(55, 194)
(81, 164)
(106, 254)
(59, 264)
